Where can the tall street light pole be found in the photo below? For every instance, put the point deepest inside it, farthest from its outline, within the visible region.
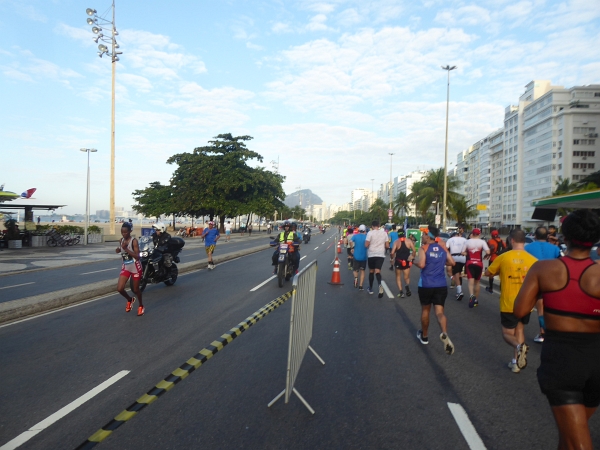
(391, 183)
(447, 68)
(87, 196)
(97, 23)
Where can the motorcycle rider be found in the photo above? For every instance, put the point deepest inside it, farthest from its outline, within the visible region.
(291, 237)
(160, 238)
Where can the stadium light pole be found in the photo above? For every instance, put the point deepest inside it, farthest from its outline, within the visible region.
(97, 22)
(447, 68)
(87, 195)
(391, 184)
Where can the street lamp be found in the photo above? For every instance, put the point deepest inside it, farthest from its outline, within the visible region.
(448, 68)
(87, 196)
(97, 23)
(391, 184)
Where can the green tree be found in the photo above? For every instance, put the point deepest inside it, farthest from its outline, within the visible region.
(402, 204)
(216, 180)
(460, 210)
(591, 178)
(430, 190)
(154, 201)
(564, 186)
(379, 210)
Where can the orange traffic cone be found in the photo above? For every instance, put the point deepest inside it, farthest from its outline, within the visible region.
(339, 250)
(335, 276)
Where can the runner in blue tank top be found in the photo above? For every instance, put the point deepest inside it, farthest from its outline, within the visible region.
(433, 289)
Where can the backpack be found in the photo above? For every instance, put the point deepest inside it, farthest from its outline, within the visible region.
(500, 248)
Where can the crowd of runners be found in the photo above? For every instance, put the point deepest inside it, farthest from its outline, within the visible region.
(563, 288)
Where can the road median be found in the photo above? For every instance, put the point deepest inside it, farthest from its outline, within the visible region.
(38, 304)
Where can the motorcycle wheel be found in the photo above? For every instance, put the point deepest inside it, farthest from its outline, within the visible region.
(143, 284)
(173, 276)
(281, 270)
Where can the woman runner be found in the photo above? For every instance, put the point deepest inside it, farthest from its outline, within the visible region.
(130, 252)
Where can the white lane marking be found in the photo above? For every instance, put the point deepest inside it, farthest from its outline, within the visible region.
(193, 254)
(24, 437)
(466, 427)
(387, 289)
(316, 248)
(257, 287)
(17, 285)
(302, 257)
(96, 271)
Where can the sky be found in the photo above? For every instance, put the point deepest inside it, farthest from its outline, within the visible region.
(326, 88)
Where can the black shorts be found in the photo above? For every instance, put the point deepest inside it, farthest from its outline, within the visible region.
(457, 268)
(435, 296)
(569, 373)
(376, 262)
(402, 264)
(349, 251)
(474, 271)
(510, 321)
(359, 265)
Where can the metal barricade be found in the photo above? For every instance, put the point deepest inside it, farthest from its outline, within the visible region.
(301, 325)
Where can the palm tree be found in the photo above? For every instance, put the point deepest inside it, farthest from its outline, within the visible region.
(378, 209)
(564, 186)
(431, 190)
(402, 204)
(591, 178)
(460, 210)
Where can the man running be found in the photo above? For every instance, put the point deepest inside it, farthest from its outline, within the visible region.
(433, 289)
(376, 244)
(210, 236)
(497, 246)
(475, 249)
(346, 241)
(542, 250)
(512, 267)
(455, 247)
(403, 253)
(130, 253)
(392, 236)
(359, 256)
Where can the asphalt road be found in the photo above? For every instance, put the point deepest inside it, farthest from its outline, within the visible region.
(380, 388)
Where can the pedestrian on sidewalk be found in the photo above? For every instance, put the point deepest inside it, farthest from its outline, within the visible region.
(512, 266)
(569, 373)
(433, 289)
(376, 244)
(210, 236)
(227, 231)
(249, 229)
(131, 268)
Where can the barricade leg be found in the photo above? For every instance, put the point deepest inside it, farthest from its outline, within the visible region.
(272, 402)
(312, 411)
(315, 353)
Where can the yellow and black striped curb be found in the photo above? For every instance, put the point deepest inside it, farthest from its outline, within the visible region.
(182, 372)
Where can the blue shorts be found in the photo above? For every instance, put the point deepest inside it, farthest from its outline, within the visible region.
(227, 232)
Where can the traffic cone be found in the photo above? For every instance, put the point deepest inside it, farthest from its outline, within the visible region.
(335, 276)
(339, 247)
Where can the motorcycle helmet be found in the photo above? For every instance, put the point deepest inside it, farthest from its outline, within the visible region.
(159, 226)
(286, 224)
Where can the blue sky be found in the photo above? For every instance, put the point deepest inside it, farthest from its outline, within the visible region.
(328, 87)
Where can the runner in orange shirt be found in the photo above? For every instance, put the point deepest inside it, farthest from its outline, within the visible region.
(497, 247)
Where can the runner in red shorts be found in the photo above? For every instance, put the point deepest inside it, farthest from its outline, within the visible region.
(475, 250)
(130, 252)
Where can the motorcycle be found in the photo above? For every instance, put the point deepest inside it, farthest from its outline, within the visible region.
(159, 264)
(285, 265)
(306, 235)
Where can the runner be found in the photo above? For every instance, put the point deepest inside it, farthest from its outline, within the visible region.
(496, 246)
(542, 250)
(403, 253)
(130, 252)
(393, 236)
(210, 236)
(346, 241)
(433, 289)
(376, 244)
(359, 256)
(474, 249)
(512, 267)
(455, 246)
(569, 373)
(227, 231)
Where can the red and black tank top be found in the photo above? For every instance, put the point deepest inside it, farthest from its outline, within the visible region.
(572, 300)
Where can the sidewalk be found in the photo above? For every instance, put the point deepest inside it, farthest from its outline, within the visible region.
(44, 258)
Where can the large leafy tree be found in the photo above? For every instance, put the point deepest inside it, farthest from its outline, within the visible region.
(591, 178)
(216, 180)
(430, 190)
(402, 204)
(379, 210)
(460, 210)
(155, 200)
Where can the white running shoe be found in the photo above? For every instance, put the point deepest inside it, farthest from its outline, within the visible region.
(448, 345)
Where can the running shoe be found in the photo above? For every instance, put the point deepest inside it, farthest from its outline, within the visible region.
(539, 338)
(448, 345)
(489, 289)
(401, 294)
(472, 301)
(130, 304)
(459, 297)
(408, 293)
(141, 310)
(360, 288)
(370, 291)
(275, 271)
(424, 340)
(380, 291)
(476, 302)
(522, 355)
(513, 366)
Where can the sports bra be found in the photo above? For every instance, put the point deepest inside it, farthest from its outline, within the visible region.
(571, 300)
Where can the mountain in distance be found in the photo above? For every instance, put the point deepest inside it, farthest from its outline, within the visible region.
(307, 197)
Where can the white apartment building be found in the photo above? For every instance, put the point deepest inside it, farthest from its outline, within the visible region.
(550, 135)
(404, 183)
(319, 212)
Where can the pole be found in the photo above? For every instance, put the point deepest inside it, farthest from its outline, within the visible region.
(448, 68)
(87, 202)
(391, 184)
(112, 132)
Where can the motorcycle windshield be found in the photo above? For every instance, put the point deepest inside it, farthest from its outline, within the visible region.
(146, 244)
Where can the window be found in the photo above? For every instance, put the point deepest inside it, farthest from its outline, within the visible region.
(576, 141)
(575, 165)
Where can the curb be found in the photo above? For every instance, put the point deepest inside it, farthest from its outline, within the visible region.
(37, 304)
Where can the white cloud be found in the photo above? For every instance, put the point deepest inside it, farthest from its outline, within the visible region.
(466, 15)
(141, 84)
(317, 23)
(30, 12)
(84, 36)
(280, 27)
(252, 46)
